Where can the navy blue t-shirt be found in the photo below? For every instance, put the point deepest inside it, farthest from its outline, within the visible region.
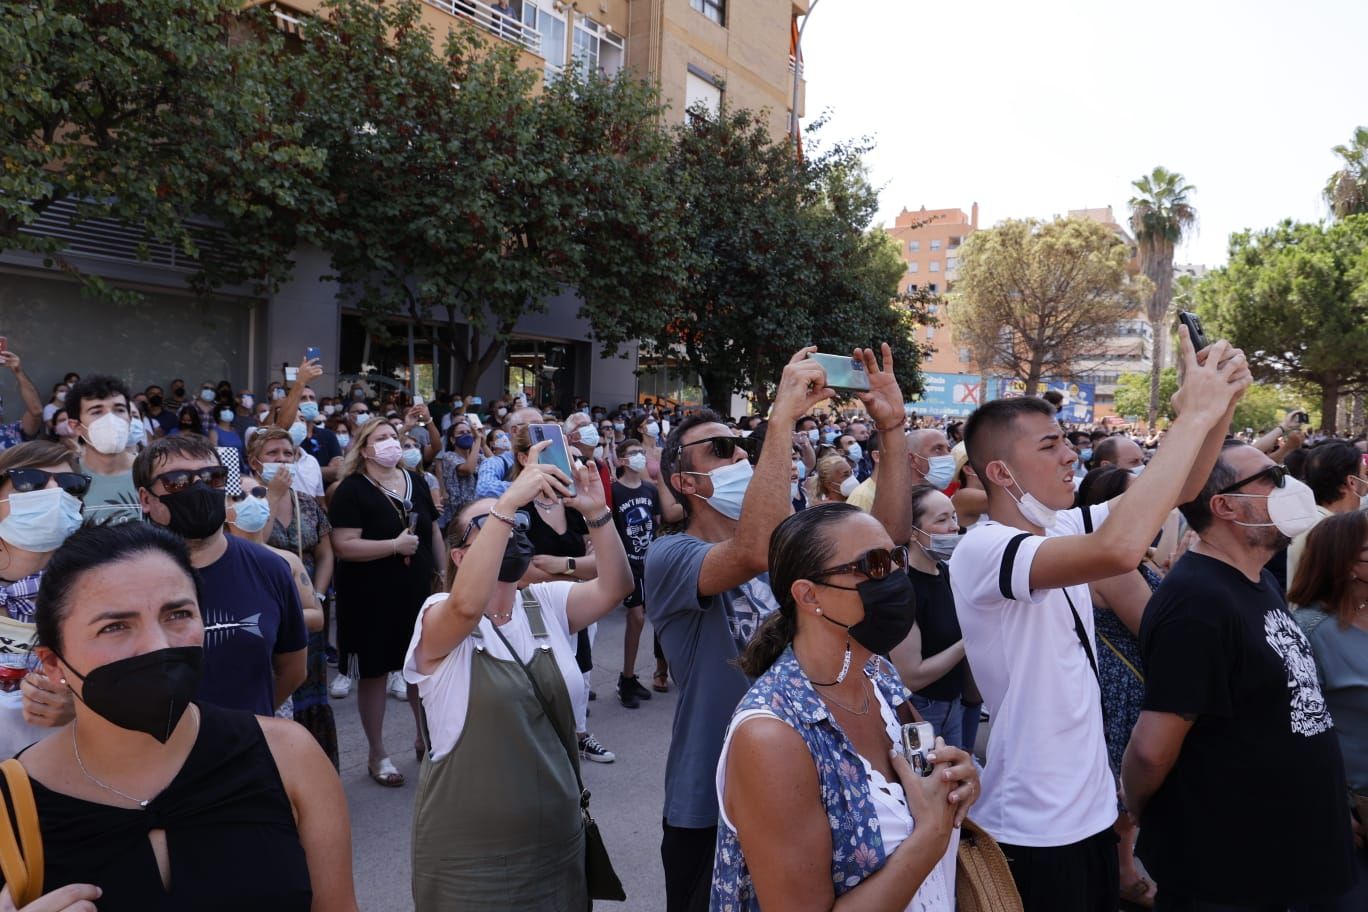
(322, 445)
(251, 613)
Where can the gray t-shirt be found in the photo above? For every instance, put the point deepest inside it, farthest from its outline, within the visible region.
(1342, 662)
(111, 500)
(701, 637)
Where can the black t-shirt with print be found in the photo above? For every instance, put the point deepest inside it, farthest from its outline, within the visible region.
(939, 627)
(634, 513)
(1254, 811)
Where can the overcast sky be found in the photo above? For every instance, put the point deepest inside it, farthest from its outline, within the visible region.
(1032, 109)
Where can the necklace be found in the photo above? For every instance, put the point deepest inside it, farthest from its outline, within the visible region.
(75, 749)
(500, 616)
(545, 507)
(854, 712)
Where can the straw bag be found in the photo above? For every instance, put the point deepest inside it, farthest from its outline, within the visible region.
(21, 854)
(983, 880)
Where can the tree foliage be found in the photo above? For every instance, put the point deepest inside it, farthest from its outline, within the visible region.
(781, 257)
(1161, 214)
(151, 112)
(1133, 394)
(1295, 298)
(1032, 297)
(1347, 189)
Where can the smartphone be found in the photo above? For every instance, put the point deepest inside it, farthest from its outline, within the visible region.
(558, 453)
(418, 400)
(476, 400)
(312, 353)
(844, 373)
(918, 739)
(1300, 417)
(1194, 325)
(413, 523)
(291, 374)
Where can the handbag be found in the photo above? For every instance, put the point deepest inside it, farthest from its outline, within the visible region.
(21, 854)
(603, 881)
(983, 879)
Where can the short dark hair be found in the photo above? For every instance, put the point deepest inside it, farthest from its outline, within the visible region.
(798, 425)
(871, 444)
(1332, 548)
(989, 426)
(1101, 485)
(672, 457)
(192, 446)
(1295, 462)
(98, 546)
(1327, 464)
(99, 386)
(1198, 510)
(1054, 397)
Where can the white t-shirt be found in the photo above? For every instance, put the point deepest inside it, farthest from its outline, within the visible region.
(1047, 782)
(446, 692)
(308, 476)
(937, 892)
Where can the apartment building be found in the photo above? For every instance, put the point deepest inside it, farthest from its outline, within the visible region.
(695, 50)
(929, 241)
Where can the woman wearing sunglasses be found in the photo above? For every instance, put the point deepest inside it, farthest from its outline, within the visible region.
(497, 821)
(817, 801)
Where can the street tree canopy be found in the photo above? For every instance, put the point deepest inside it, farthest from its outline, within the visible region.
(1035, 297)
(1295, 299)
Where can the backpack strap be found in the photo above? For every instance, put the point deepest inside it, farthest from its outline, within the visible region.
(535, 621)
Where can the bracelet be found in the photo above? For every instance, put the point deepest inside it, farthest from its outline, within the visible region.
(394, 546)
(602, 521)
(501, 518)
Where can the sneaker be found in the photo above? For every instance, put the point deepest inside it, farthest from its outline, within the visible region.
(591, 750)
(641, 692)
(627, 694)
(340, 686)
(331, 655)
(396, 686)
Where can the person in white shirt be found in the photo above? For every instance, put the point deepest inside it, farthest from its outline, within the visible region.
(1020, 585)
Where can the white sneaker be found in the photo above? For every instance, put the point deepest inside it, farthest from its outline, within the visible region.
(396, 687)
(340, 686)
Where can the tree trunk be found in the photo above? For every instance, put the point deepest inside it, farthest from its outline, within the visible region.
(717, 392)
(1330, 394)
(1037, 367)
(1156, 367)
(760, 393)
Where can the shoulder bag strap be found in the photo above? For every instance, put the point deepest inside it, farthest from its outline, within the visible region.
(21, 859)
(1082, 636)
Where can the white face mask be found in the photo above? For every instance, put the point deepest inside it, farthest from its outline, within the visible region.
(1292, 508)
(1032, 510)
(814, 435)
(1136, 470)
(652, 429)
(940, 470)
(297, 433)
(855, 452)
(637, 462)
(589, 435)
(108, 434)
(729, 487)
(793, 490)
(849, 485)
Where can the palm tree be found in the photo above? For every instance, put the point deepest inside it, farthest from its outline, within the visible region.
(1160, 215)
(1347, 189)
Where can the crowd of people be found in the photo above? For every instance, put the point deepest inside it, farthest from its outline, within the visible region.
(1145, 658)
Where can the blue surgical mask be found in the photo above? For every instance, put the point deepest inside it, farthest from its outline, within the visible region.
(137, 433)
(729, 487)
(854, 452)
(940, 470)
(207, 395)
(225, 415)
(343, 439)
(269, 470)
(40, 520)
(251, 513)
(802, 469)
(308, 410)
(829, 438)
(411, 458)
(1085, 454)
(297, 433)
(361, 419)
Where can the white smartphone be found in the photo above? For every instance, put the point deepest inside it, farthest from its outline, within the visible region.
(918, 738)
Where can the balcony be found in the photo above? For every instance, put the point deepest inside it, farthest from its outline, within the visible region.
(509, 28)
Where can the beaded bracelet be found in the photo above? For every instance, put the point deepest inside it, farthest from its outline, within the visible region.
(499, 516)
(602, 521)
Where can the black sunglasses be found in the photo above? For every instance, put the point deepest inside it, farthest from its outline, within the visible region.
(876, 563)
(520, 522)
(725, 447)
(25, 480)
(258, 491)
(1274, 473)
(178, 480)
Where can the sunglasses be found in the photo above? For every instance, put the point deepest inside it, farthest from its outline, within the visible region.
(176, 481)
(25, 480)
(520, 522)
(240, 496)
(876, 563)
(725, 447)
(1274, 473)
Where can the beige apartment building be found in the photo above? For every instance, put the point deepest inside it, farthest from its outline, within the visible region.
(929, 240)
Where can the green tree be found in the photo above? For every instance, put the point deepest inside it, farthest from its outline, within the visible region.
(1032, 297)
(1295, 299)
(150, 112)
(1160, 215)
(1347, 189)
(1133, 394)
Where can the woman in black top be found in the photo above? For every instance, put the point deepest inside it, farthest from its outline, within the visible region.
(389, 560)
(148, 801)
(931, 660)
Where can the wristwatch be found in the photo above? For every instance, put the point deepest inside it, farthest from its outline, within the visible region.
(569, 567)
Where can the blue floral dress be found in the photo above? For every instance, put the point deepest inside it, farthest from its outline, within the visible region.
(1118, 667)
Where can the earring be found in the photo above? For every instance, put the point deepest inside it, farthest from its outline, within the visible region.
(818, 610)
(63, 680)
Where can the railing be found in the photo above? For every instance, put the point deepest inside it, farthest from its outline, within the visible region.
(109, 239)
(508, 28)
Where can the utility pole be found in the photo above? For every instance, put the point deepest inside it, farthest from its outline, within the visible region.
(798, 68)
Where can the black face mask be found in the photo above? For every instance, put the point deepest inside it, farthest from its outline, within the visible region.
(517, 557)
(178, 391)
(145, 693)
(890, 609)
(197, 512)
(154, 401)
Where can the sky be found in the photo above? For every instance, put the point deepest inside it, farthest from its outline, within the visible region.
(1035, 108)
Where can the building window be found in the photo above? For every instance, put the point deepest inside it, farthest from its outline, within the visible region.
(913, 266)
(964, 356)
(950, 263)
(932, 288)
(935, 245)
(933, 309)
(713, 9)
(912, 288)
(935, 265)
(914, 246)
(698, 90)
(596, 49)
(551, 27)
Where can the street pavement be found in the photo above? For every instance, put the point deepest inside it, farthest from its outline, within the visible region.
(627, 794)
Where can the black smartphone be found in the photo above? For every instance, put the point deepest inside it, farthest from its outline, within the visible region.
(558, 453)
(1300, 417)
(312, 353)
(1194, 326)
(844, 373)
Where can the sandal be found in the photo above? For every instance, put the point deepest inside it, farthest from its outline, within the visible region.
(1138, 896)
(387, 775)
(660, 682)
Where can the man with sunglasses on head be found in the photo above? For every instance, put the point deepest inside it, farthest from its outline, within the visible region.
(254, 635)
(1233, 767)
(1020, 584)
(707, 588)
(98, 413)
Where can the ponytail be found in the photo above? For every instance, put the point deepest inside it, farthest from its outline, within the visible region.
(771, 638)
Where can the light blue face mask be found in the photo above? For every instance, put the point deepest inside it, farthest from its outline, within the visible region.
(940, 470)
(269, 470)
(137, 434)
(40, 520)
(729, 487)
(411, 458)
(297, 433)
(251, 513)
(308, 410)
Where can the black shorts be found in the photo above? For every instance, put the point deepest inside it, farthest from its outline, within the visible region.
(638, 596)
(1082, 877)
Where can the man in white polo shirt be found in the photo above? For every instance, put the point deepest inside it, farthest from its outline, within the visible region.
(1020, 582)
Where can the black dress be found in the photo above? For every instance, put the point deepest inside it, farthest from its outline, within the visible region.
(378, 600)
(231, 838)
(570, 543)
